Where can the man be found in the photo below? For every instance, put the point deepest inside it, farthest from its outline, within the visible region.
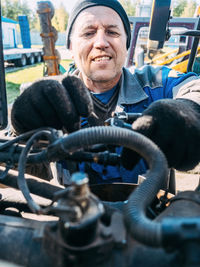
(98, 36)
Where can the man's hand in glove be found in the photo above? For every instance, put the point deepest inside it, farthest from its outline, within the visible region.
(52, 103)
(174, 125)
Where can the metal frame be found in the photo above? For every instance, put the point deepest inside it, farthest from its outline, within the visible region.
(3, 98)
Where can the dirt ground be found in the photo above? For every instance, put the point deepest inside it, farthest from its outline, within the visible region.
(187, 180)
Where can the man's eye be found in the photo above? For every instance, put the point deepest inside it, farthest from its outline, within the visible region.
(88, 34)
(112, 33)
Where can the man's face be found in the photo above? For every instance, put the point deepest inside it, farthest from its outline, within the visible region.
(98, 44)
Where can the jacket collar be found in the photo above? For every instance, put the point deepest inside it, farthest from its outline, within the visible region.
(130, 92)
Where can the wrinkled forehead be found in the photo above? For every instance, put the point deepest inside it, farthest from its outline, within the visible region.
(93, 16)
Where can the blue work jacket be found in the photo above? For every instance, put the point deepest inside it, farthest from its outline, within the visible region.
(138, 89)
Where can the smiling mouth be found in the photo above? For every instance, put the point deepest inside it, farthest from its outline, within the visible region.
(101, 59)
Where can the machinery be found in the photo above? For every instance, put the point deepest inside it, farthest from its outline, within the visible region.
(179, 35)
(44, 224)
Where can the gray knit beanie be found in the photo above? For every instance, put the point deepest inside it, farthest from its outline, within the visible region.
(114, 4)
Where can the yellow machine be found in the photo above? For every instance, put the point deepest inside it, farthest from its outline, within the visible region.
(181, 61)
(176, 61)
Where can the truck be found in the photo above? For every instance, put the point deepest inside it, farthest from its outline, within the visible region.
(46, 224)
(12, 53)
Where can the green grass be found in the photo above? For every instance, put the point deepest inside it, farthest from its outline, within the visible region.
(27, 74)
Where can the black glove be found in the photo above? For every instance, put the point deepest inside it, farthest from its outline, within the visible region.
(52, 103)
(174, 125)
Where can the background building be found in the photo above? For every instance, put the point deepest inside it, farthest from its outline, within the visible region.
(143, 8)
(9, 30)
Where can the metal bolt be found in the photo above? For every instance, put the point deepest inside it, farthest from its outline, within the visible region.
(67, 225)
(79, 178)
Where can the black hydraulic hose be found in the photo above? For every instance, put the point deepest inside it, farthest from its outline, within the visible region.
(141, 227)
(24, 136)
(22, 184)
(8, 143)
(100, 157)
(36, 185)
(10, 150)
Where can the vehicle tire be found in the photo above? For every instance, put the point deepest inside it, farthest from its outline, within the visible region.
(21, 62)
(31, 60)
(38, 58)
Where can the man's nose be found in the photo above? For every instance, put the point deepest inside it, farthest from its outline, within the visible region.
(101, 40)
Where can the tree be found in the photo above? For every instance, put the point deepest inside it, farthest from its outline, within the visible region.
(189, 9)
(13, 8)
(178, 7)
(128, 6)
(60, 19)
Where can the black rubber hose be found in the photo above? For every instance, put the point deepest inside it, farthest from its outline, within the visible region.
(21, 181)
(141, 227)
(36, 185)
